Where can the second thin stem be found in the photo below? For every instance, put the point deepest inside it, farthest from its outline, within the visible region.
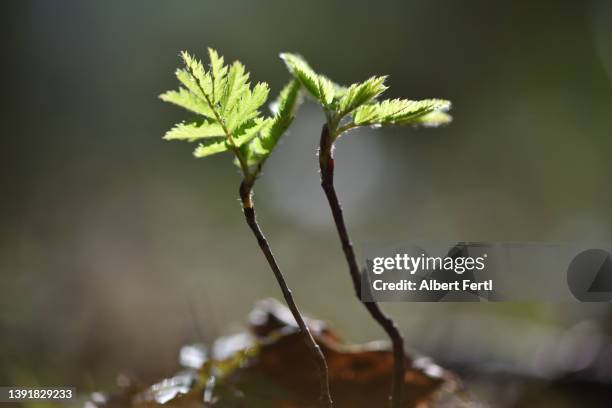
(315, 349)
(326, 164)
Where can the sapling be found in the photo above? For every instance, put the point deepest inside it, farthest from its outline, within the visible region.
(228, 119)
(345, 109)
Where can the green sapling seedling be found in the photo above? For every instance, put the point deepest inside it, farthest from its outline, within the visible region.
(228, 119)
(345, 109)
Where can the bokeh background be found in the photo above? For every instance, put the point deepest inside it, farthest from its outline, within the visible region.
(116, 247)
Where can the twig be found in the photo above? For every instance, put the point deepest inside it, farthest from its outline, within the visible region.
(326, 164)
(249, 215)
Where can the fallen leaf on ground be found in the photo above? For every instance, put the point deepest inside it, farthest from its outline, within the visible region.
(270, 366)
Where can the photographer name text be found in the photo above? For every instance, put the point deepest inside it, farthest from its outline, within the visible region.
(433, 285)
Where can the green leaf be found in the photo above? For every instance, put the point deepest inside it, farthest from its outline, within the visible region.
(285, 106)
(247, 108)
(235, 87)
(227, 105)
(397, 111)
(211, 146)
(287, 100)
(360, 100)
(189, 101)
(195, 76)
(284, 110)
(249, 130)
(190, 82)
(326, 90)
(219, 72)
(194, 131)
(319, 86)
(361, 93)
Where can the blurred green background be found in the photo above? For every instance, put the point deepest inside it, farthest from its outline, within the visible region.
(117, 247)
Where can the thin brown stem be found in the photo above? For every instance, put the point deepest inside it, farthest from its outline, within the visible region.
(317, 354)
(326, 164)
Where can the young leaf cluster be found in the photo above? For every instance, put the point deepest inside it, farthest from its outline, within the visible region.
(227, 109)
(359, 102)
(283, 110)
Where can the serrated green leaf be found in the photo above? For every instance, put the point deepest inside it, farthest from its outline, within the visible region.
(236, 85)
(300, 69)
(326, 90)
(189, 82)
(223, 96)
(319, 86)
(199, 76)
(194, 131)
(247, 107)
(361, 93)
(249, 130)
(218, 72)
(397, 111)
(211, 146)
(360, 100)
(417, 109)
(284, 110)
(189, 101)
(286, 104)
(287, 100)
